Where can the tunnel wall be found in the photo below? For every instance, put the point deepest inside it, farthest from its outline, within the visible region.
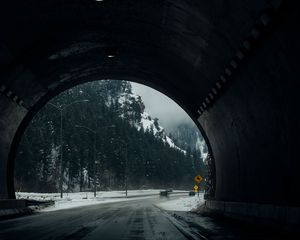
(253, 129)
(12, 114)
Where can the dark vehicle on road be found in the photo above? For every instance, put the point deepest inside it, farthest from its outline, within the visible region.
(164, 193)
(192, 193)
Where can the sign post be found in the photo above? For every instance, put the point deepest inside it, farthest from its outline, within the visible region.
(198, 179)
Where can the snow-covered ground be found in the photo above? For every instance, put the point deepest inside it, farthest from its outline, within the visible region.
(182, 204)
(71, 200)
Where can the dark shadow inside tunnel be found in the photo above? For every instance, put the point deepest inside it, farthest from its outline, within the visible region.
(98, 136)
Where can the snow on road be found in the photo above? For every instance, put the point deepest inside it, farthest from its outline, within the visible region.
(66, 204)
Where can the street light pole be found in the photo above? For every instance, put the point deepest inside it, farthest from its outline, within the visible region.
(60, 109)
(125, 146)
(95, 167)
(95, 142)
(61, 155)
(126, 173)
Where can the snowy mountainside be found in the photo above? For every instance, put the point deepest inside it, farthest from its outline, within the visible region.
(186, 136)
(133, 109)
(201, 145)
(97, 160)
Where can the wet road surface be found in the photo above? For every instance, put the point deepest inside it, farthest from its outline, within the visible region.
(135, 219)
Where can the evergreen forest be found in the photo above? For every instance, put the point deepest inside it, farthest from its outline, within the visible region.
(88, 135)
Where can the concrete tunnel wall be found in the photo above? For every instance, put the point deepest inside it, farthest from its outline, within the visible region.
(253, 125)
(254, 133)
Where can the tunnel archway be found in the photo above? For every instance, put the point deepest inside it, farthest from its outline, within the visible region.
(26, 121)
(233, 65)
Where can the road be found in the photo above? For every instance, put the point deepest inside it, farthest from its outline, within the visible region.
(135, 219)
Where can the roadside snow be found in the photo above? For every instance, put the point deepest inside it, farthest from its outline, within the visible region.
(84, 195)
(72, 203)
(182, 204)
(71, 200)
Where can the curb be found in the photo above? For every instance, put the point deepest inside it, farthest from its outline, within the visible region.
(13, 213)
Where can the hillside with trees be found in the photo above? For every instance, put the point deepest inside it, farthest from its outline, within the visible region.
(107, 137)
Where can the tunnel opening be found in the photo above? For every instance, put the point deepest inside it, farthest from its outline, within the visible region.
(68, 128)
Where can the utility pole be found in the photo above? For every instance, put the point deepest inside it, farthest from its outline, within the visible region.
(61, 109)
(126, 173)
(61, 155)
(95, 151)
(95, 163)
(125, 170)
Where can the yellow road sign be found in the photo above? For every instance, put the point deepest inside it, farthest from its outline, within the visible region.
(198, 179)
(196, 188)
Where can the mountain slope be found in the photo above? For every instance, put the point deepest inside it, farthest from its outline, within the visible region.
(106, 140)
(134, 111)
(186, 136)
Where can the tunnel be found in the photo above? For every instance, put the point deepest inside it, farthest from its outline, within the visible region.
(232, 65)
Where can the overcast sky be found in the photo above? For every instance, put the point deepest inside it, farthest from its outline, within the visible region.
(159, 105)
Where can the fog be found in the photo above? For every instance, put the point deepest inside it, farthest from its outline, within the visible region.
(169, 113)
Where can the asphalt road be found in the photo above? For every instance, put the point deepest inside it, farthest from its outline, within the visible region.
(135, 219)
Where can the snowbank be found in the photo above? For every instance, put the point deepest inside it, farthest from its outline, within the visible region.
(71, 200)
(182, 204)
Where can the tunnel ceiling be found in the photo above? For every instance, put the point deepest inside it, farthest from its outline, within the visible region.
(178, 47)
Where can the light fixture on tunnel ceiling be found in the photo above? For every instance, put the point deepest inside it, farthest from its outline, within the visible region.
(111, 52)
